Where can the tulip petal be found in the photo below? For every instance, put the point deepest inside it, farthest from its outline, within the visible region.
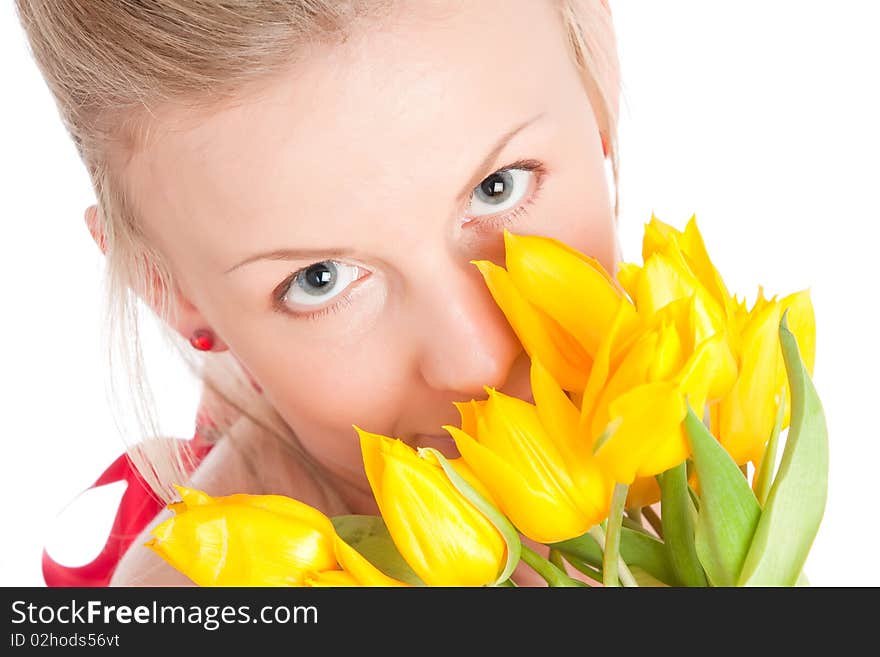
(331, 578)
(632, 372)
(590, 488)
(557, 414)
(801, 322)
(747, 413)
(445, 540)
(687, 251)
(544, 270)
(191, 497)
(540, 335)
(662, 282)
(673, 449)
(628, 275)
(468, 412)
(649, 417)
(362, 571)
(669, 356)
(286, 507)
(540, 515)
(512, 429)
(643, 491)
(232, 544)
(709, 374)
(602, 366)
(507, 531)
(698, 259)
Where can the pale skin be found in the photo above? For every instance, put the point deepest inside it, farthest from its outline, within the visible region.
(372, 156)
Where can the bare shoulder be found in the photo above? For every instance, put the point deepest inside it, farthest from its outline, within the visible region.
(140, 566)
(220, 473)
(243, 461)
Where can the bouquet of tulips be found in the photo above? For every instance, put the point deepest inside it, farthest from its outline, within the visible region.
(653, 394)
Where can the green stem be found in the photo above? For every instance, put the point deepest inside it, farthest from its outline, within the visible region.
(611, 553)
(626, 576)
(653, 520)
(558, 559)
(551, 574)
(588, 570)
(632, 519)
(555, 557)
(634, 513)
(636, 527)
(508, 582)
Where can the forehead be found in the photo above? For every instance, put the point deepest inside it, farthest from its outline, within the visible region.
(390, 122)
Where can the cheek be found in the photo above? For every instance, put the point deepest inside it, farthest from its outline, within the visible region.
(329, 388)
(575, 205)
(575, 208)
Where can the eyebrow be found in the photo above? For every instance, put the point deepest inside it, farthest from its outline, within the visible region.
(488, 161)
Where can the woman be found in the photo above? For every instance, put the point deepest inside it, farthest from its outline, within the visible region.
(298, 188)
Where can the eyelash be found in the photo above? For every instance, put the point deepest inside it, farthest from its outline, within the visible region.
(540, 172)
(278, 300)
(344, 300)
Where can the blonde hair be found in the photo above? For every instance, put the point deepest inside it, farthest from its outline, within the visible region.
(110, 64)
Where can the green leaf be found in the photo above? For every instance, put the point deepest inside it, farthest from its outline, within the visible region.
(636, 548)
(579, 564)
(729, 511)
(764, 475)
(646, 579)
(796, 502)
(678, 526)
(369, 536)
(502, 524)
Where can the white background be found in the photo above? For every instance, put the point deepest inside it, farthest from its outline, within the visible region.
(760, 117)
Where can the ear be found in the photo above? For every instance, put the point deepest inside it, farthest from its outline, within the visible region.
(188, 317)
(96, 227)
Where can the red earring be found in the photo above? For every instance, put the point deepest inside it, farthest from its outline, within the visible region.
(202, 339)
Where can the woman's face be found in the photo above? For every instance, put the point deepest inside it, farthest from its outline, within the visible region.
(324, 227)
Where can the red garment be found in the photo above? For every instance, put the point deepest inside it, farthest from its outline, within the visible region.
(138, 507)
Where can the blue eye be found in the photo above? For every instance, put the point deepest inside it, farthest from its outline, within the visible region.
(500, 192)
(505, 195)
(320, 282)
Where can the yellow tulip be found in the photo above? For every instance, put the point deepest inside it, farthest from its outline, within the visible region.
(558, 301)
(253, 540)
(688, 251)
(572, 288)
(630, 364)
(541, 336)
(355, 570)
(440, 534)
(677, 266)
(644, 491)
(744, 418)
(534, 460)
(635, 406)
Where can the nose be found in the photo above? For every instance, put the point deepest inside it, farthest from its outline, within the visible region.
(467, 342)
